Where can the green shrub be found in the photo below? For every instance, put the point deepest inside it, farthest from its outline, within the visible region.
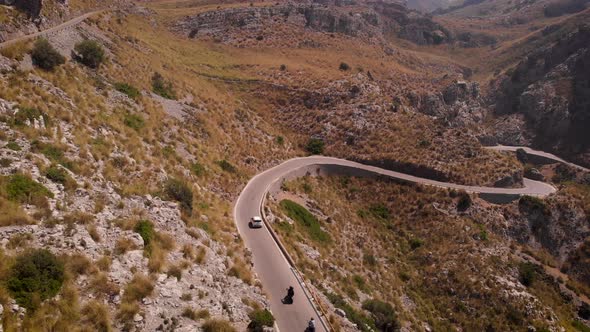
(344, 66)
(127, 89)
(36, 276)
(45, 56)
(259, 319)
(217, 325)
(30, 114)
(90, 53)
(53, 153)
(197, 169)
(56, 174)
(315, 146)
(145, 229)
(383, 315)
(180, 192)
(527, 273)
(13, 146)
(369, 260)
(363, 322)
(134, 121)
(22, 188)
(415, 243)
(226, 166)
(305, 219)
(580, 326)
(464, 201)
(360, 283)
(162, 87)
(280, 140)
(380, 211)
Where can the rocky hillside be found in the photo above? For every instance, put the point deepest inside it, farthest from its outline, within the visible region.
(374, 21)
(126, 137)
(25, 17)
(127, 181)
(550, 88)
(438, 258)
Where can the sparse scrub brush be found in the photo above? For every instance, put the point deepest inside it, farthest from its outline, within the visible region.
(90, 53)
(383, 315)
(259, 319)
(127, 89)
(162, 87)
(180, 192)
(45, 56)
(218, 325)
(315, 146)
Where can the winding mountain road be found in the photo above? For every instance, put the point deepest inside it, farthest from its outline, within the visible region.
(271, 262)
(536, 153)
(64, 25)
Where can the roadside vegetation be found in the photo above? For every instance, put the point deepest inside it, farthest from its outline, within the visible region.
(383, 239)
(307, 221)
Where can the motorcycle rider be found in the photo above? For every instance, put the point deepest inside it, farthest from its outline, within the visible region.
(290, 293)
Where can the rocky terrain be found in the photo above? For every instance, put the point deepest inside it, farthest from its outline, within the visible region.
(469, 265)
(550, 89)
(124, 163)
(376, 21)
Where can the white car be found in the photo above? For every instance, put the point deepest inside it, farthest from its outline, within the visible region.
(255, 222)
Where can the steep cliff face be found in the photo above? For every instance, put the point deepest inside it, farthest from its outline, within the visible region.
(410, 25)
(377, 19)
(31, 7)
(551, 89)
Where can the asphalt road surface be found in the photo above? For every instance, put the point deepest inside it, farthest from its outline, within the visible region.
(273, 269)
(537, 153)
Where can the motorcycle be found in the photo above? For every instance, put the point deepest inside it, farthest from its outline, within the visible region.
(289, 298)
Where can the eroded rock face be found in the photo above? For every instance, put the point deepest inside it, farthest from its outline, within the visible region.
(459, 103)
(550, 88)
(372, 21)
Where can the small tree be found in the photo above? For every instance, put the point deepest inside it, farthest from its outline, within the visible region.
(464, 201)
(36, 276)
(315, 146)
(344, 66)
(45, 56)
(90, 53)
(180, 192)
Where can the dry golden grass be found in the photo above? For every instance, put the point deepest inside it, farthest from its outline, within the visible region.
(390, 241)
(101, 286)
(16, 50)
(12, 214)
(123, 245)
